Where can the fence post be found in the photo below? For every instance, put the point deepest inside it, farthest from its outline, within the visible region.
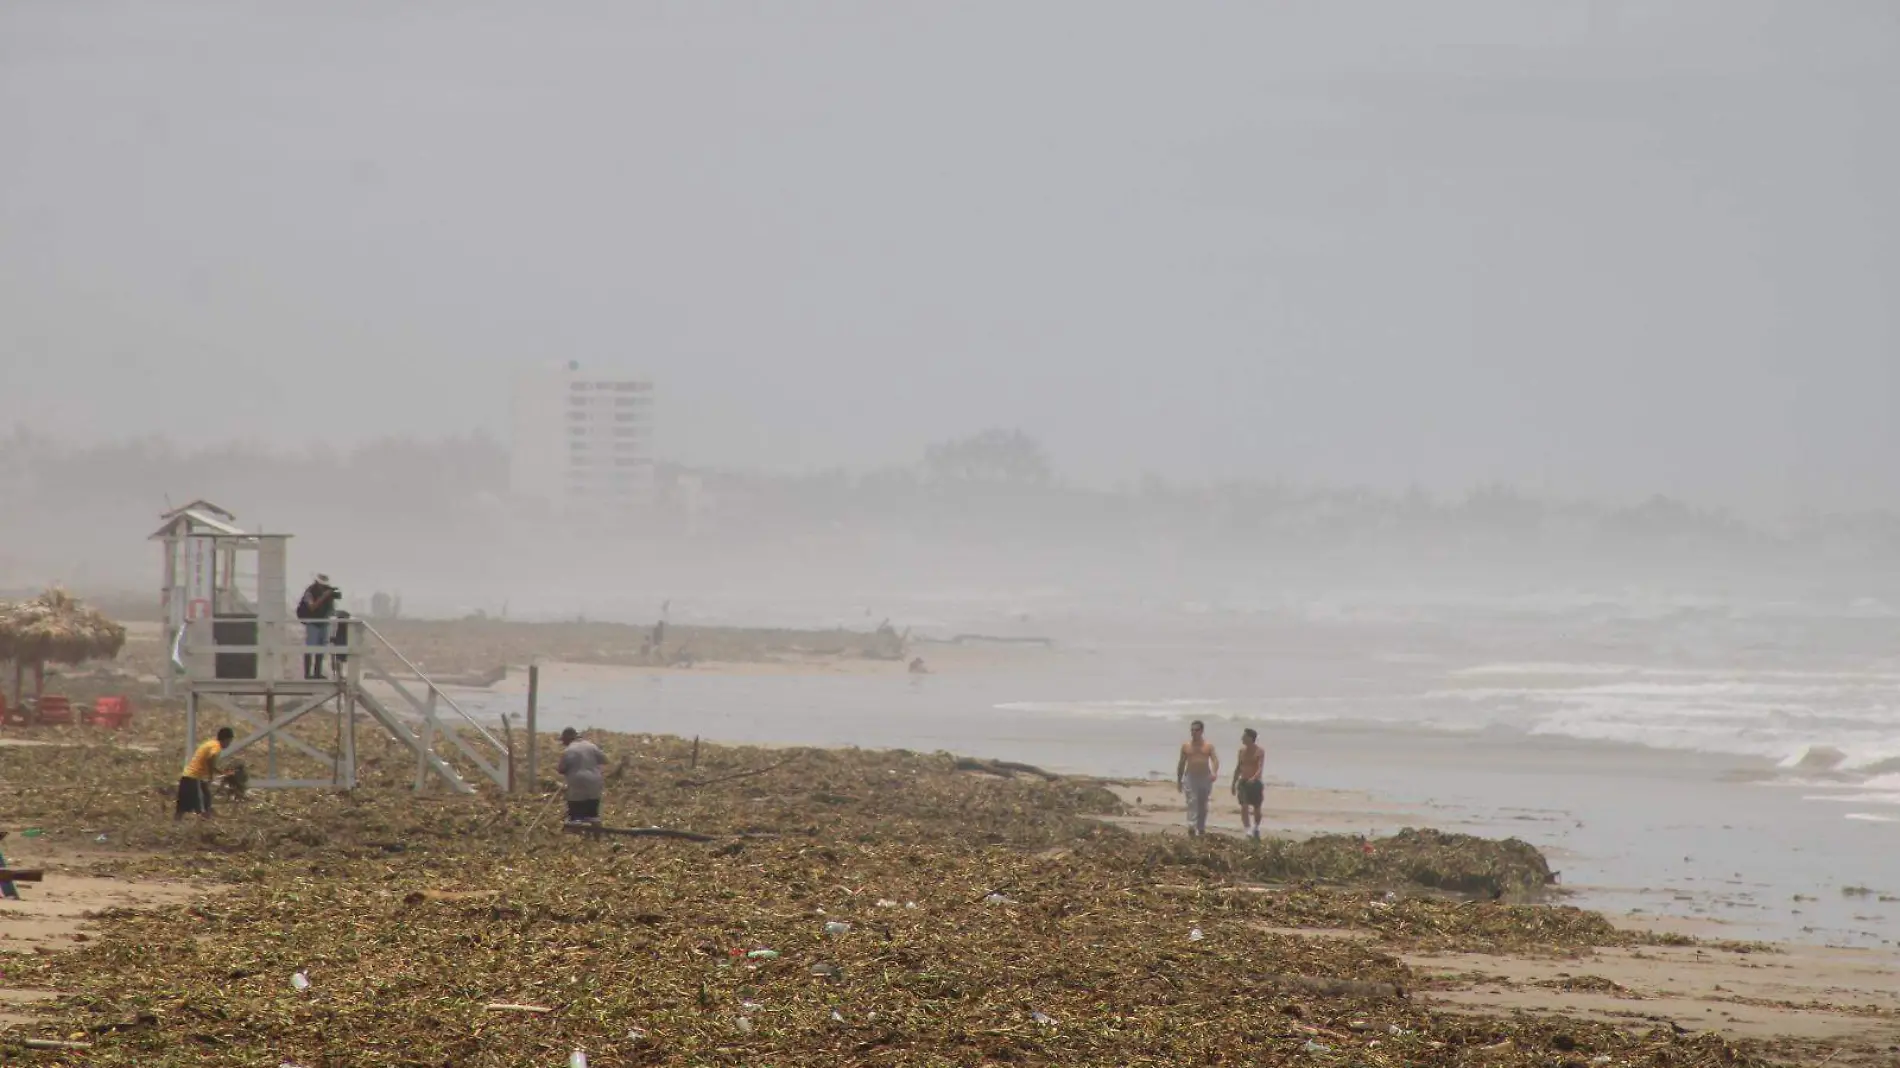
(508, 732)
(534, 746)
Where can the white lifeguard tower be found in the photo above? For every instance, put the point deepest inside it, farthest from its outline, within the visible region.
(233, 644)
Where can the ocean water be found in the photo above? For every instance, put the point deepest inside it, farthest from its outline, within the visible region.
(1718, 760)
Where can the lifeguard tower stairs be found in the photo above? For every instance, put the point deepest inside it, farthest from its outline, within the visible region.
(237, 653)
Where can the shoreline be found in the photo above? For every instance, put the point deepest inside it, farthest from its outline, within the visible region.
(1680, 835)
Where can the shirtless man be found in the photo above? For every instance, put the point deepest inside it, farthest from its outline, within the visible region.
(1195, 775)
(1248, 767)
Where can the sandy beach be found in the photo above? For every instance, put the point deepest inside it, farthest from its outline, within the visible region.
(1805, 995)
(1800, 1003)
(1749, 918)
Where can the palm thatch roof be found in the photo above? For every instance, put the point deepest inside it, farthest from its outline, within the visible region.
(56, 627)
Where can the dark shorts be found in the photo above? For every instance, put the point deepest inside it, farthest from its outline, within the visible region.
(1252, 793)
(194, 795)
(583, 810)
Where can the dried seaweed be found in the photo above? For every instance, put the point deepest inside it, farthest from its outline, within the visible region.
(905, 913)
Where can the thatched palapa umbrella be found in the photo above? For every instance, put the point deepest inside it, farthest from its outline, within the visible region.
(54, 626)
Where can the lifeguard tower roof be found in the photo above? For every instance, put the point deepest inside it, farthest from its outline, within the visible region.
(201, 505)
(198, 517)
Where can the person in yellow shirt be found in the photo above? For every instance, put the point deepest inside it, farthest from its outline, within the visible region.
(194, 786)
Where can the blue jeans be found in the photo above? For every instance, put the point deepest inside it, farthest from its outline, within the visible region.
(317, 634)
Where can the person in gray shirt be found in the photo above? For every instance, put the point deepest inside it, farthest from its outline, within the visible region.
(581, 761)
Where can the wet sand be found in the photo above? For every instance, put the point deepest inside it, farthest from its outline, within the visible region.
(1803, 994)
(56, 914)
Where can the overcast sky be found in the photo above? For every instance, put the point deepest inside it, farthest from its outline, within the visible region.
(1593, 248)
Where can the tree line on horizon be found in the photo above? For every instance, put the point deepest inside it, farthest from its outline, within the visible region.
(996, 484)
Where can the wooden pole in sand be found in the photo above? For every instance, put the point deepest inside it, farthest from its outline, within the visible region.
(508, 734)
(534, 748)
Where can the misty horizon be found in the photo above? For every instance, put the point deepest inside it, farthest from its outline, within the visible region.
(1598, 253)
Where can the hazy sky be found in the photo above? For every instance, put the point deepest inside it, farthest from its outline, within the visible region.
(1590, 247)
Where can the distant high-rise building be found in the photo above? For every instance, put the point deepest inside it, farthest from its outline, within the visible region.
(583, 442)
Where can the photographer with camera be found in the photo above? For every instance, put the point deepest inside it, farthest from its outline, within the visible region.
(315, 609)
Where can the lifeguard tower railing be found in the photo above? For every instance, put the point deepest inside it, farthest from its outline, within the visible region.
(244, 656)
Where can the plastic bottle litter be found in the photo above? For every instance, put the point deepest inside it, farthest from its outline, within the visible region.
(825, 971)
(836, 1017)
(1043, 1018)
(32, 832)
(101, 838)
(744, 1024)
(577, 1059)
(835, 928)
(636, 1034)
(910, 904)
(763, 954)
(997, 899)
(300, 981)
(1316, 1047)
(750, 1006)
(886, 903)
(1195, 935)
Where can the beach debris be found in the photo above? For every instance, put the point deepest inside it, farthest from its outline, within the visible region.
(1195, 935)
(1316, 1047)
(1485, 868)
(834, 928)
(504, 1006)
(299, 981)
(1334, 988)
(1591, 984)
(559, 926)
(1007, 769)
(577, 1059)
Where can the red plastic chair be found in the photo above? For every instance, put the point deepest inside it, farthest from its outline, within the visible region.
(112, 713)
(53, 712)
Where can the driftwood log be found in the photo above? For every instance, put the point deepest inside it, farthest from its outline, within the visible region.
(738, 775)
(21, 875)
(451, 896)
(1007, 769)
(1334, 988)
(637, 832)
